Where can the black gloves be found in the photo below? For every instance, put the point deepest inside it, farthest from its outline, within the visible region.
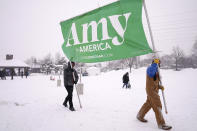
(75, 82)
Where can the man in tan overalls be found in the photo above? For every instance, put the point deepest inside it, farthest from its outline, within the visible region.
(153, 99)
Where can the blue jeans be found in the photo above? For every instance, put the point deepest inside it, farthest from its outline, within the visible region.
(125, 84)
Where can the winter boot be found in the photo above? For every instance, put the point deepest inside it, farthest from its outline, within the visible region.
(164, 127)
(65, 104)
(72, 108)
(141, 119)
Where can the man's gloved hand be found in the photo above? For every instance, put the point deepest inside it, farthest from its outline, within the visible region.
(75, 82)
(72, 70)
(161, 87)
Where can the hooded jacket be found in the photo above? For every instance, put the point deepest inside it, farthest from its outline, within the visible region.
(152, 70)
(68, 76)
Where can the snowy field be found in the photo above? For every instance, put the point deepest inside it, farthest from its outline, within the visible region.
(35, 104)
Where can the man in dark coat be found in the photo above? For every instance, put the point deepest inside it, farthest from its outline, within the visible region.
(125, 79)
(12, 73)
(26, 72)
(22, 74)
(153, 99)
(69, 81)
(1, 74)
(4, 74)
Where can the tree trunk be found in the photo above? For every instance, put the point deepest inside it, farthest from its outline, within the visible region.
(176, 64)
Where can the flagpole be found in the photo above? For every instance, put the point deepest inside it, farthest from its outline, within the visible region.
(149, 27)
(154, 50)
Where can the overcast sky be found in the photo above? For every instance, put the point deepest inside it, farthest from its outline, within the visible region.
(31, 27)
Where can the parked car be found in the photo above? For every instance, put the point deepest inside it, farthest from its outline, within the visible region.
(85, 74)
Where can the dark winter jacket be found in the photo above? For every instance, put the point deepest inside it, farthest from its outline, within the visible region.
(68, 76)
(26, 73)
(125, 78)
(12, 72)
(1, 73)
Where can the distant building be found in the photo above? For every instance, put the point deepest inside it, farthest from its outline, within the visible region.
(10, 63)
(35, 68)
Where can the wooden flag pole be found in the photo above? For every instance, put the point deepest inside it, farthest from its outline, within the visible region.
(154, 50)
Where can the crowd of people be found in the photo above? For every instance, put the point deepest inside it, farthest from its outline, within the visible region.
(11, 72)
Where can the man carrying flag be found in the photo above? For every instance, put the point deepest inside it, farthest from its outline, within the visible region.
(153, 99)
(70, 78)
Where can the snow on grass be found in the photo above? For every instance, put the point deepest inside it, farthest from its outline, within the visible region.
(35, 103)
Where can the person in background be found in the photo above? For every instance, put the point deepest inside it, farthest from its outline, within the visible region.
(22, 74)
(153, 99)
(4, 74)
(70, 78)
(26, 73)
(1, 74)
(12, 73)
(125, 80)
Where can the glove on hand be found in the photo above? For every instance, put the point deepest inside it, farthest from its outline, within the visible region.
(161, 87)
(75, 82)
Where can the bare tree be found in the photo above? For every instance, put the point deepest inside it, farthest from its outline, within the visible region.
(166, 61)
(57, 58)
(178, 55)
(146, 61)
(194, 48)
(130, 62)
(31, 61)
(113, 65)
(194, 55)
(136, 61)
(48, 59)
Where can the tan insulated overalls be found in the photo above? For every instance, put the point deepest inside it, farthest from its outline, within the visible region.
(153, 100)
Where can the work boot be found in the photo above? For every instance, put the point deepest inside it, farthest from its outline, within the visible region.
(141, 119)
(72, 108)
(164, 127)
(65, 104)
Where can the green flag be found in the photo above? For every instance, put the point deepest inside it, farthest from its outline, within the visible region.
(112, 32)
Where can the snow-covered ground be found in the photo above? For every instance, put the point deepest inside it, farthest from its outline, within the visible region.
(35, 104)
